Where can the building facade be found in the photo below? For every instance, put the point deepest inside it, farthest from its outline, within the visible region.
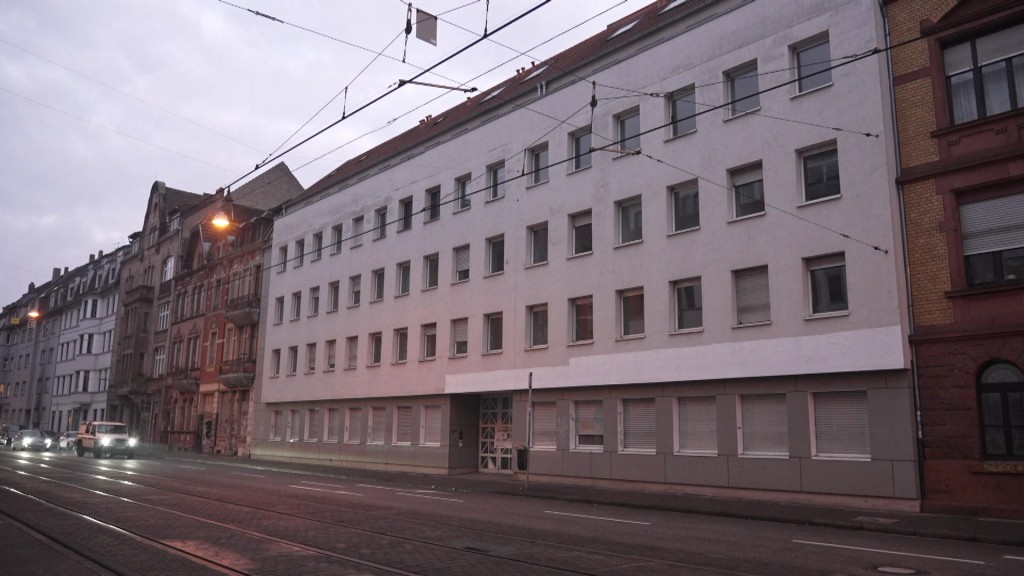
(959, 93)
(669, 255)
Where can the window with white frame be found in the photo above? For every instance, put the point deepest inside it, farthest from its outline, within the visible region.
(403, 425)
(333, 425)
(764, 425)
(330, 354)
(355, 289)
(405, 212)
(841, 424)
(992, 236)
(638, 424)
(333, 296)
(337, 235)
(581, 312)
(826, 276)
(163, 318)
(580, 233)
(985, 74)
(537, 326)
(357, 232)
(311, 430)
(538, 164)
(403, 270)
(351, 351)
(545, 425)
(813, 65)
(380, 223)
(276, 424)
(460, 337)
(627, 130)
(314, 301)
(159, 361)
(300, 253)
(741, 83)
(376, 426)
(631, 312)
(318, 245)
(463, 198)
(275, 362)
(430, 267)
(430, 426)
(697, 425)
(580, 142)
(293, 360)
(353, 425)
(496, 181)
(493, 332)
(428, 341)
(753, 304)
(682, 109)
(377, 277)
(684, 207)
(496, 254)
(278, 309)
(432, 200)
(687, 304)
(460, 264)
(537, 240)
(401, 345)
(630, 220)
(296, 305)
(588, 424)
(167, 268)
(282, 259)
(820, 173)
(748, 191)
(376, 340)
(310, 358)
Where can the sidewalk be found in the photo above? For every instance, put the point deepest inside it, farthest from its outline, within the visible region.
(943, 526)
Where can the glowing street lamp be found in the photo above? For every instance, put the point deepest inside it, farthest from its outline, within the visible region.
(221, 220)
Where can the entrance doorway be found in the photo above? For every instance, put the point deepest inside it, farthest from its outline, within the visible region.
(496, 448)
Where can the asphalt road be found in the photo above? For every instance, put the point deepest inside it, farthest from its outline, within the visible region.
(163, 515)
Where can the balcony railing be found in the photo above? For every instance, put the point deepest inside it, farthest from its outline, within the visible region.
(243, 310)
(184, 380)
(136, 385)
(142, 293)
(238, 373)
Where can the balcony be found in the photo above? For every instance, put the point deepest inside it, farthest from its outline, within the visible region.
(238, 374)
(134, 386)
(142, 293)
(184, 380)
(243, 310)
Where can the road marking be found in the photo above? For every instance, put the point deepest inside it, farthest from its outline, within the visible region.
(323, 490)
(429, 497)
(252, 475)
(1014, 557)
(190, 467)
(399, 489)
(597, 518)
(888, 552)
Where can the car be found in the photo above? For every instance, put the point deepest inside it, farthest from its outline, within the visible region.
(30, 439)
(66, 441)
(7, 433)
(104, 439)
(52, 436)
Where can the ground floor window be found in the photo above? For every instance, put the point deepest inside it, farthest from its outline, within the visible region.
(1001, 401)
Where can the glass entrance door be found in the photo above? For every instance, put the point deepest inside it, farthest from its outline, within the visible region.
(496, 434)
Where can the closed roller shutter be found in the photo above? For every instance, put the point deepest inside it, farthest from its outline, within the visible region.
(638, 425)
(841, 424)
(765, 425)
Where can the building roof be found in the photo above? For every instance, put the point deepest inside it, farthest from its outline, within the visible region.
(269, 189)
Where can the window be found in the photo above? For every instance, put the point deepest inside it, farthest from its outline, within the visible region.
(588, 416)
(753, 305)
(354, 289)
(496, 255)
(580, 239)
(581, 149)
(461, 264)
(582, 319)
(496, 181)
(279, 309)
(405, 214)
(376, 426)
(537, 322)
(311, 357)
(682, 107)
(314, 301)
(841, 424)
(748, 191)
(631, 312)
(821, 174)
(353, 425)
(333, 424)
(428, 341)
(538, 164)
(460, 337)
(698, 425)
(433, 202)
(684, 207)
(402, 271)
(337, 235)
(211, 352)
(163, 318)
(985, 75)
(430, 271)
(333, 296)
(992, 232)
(1001, 400)
(742, 86)
(403, 425)
(430, 426)
(537, 240)
(293, 359)
(638, 425)
(377, 277)
(300, 253)
(630, 221)
(492, 332)
(167, 270)
(357, 232)
(401, 345)
(764, 428)
(545, 425)
(463, 201)
(330, 354)
(296, 305)
(827, 277)
(275, 424)
(282, 258)
(160, 361)
(351, 351)
(376, 340)
(689, 313)
(318, 245)
(813, 64)
(627, 130)
(380, 223)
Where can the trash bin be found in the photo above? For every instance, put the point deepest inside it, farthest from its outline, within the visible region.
(522, 457)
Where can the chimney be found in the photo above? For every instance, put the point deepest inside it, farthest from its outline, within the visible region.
(99, 254)
(31, 286)
(56, 274)
(92, 258)
(65, 269)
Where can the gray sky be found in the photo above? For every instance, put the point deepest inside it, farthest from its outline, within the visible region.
(100, 98)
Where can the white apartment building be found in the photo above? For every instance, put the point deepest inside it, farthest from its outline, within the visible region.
(686, 271)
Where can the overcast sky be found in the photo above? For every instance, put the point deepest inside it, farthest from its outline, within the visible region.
(100, 98)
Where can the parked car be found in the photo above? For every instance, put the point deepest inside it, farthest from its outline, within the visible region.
(66, 441)
(7, 433)
(30, 439)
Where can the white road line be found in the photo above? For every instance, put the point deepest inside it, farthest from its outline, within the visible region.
(252, 475)
(1014, 557)
(190, 467)
(322, 490)
(398, 489)
(888, 552)
(429, 497)
(597, 518)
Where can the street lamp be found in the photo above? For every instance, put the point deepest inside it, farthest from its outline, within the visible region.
(221, 220)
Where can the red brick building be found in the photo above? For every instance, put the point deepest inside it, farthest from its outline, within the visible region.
(959, 93)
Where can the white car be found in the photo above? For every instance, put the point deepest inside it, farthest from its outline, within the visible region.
(66, 441)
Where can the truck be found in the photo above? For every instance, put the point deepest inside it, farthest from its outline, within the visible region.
(104, 439)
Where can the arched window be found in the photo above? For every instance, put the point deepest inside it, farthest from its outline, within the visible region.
(1001, 396)
(168, 269)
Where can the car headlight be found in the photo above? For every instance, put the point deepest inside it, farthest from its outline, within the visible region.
(105, 442)
(48, 442)
(132, 442)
